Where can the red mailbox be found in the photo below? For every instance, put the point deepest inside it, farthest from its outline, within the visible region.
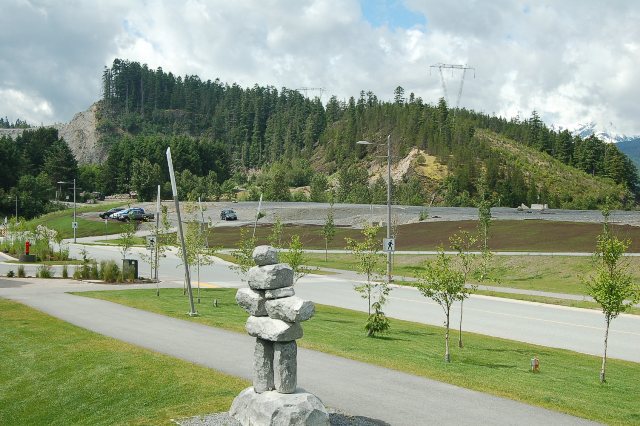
(26, 247)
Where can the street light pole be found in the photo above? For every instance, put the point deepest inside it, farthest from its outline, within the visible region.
(74, 212)
(388, 206)
(389, 254)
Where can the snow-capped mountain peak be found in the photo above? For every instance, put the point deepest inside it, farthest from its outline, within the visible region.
(606, 133)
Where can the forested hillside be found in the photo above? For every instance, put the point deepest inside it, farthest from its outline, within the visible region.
(231, 141)
(299, 141)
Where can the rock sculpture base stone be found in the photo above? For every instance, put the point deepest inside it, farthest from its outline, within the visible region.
(274, 408)
(285, 366)
(263, 366)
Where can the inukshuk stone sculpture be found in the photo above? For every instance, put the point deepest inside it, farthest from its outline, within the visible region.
(275, 319)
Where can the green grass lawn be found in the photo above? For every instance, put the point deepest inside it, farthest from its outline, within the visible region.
(54, 373)
(568, 381)
(137, 241)
(556, 274)
(48, 262)
(62, 220)
(585, 304)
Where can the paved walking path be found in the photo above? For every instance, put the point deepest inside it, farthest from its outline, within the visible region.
(349, 386)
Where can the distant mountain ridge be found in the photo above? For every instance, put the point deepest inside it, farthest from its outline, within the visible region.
(592, 128)
(629, 145)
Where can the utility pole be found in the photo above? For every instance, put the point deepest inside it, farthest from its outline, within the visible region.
(75, 223)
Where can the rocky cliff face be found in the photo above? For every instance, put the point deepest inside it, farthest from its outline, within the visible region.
(80, 134)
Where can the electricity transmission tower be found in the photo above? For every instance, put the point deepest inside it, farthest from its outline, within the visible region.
(320, 90)
(452, 67)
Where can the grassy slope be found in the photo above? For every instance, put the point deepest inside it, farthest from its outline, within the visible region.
(57, 374)
(568, 381)
(574, 188)
(61, 221)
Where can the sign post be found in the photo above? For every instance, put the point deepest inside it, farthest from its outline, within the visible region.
(389, 245)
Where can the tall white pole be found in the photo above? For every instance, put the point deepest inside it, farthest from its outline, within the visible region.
(388, 205)
(75, 224)
(184, 246)
(157, 236)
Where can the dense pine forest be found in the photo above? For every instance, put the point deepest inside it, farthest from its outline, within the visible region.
(263, 140)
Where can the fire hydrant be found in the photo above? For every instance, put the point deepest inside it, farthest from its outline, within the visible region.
(26, 247)
(535, 364)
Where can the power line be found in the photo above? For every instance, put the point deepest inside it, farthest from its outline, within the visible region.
(453, 67)
(320, 90)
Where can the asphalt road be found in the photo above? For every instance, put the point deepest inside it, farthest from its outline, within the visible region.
(351, 387)
(581, 330)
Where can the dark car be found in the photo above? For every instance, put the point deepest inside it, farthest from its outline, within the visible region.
(137, 213)
(105, 215)
(228, 215)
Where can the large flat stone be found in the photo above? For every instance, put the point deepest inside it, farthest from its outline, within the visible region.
(270, 277)
(263, 366)
(290, 309)
(252, 301)
(274, 330)
(279, 293)
(285, 366)
(279, 409)
(265, 255)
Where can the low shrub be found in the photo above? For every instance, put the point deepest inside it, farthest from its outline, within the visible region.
(110, 272)
(21, 273)
(65, 271)
(94, 273)
(11, 274)
(44, 271)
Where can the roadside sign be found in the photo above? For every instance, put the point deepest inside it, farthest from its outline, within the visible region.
(74, 225)
(389, 245)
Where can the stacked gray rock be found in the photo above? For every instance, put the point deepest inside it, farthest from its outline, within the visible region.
(275, 317)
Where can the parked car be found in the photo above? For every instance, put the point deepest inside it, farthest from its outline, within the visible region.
(228, 214)
(119, 214)
(109, 212)
(138, 213)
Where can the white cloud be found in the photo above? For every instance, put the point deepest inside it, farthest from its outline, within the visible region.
(27, 107)
(572, 61)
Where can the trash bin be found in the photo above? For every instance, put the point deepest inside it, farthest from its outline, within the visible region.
(130, 268)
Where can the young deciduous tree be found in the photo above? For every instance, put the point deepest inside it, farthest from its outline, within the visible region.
(463, 242)
(243, 254)
(275, 239)
(367, 253)
(611, 286)
(127, 238)
(328, 231)
(444, 285)
(198, 254)
(484, 222)
(295, 257)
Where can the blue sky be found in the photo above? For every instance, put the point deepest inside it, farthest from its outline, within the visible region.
(391, 13)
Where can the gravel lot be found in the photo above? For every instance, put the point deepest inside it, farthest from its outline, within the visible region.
(356, 215)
